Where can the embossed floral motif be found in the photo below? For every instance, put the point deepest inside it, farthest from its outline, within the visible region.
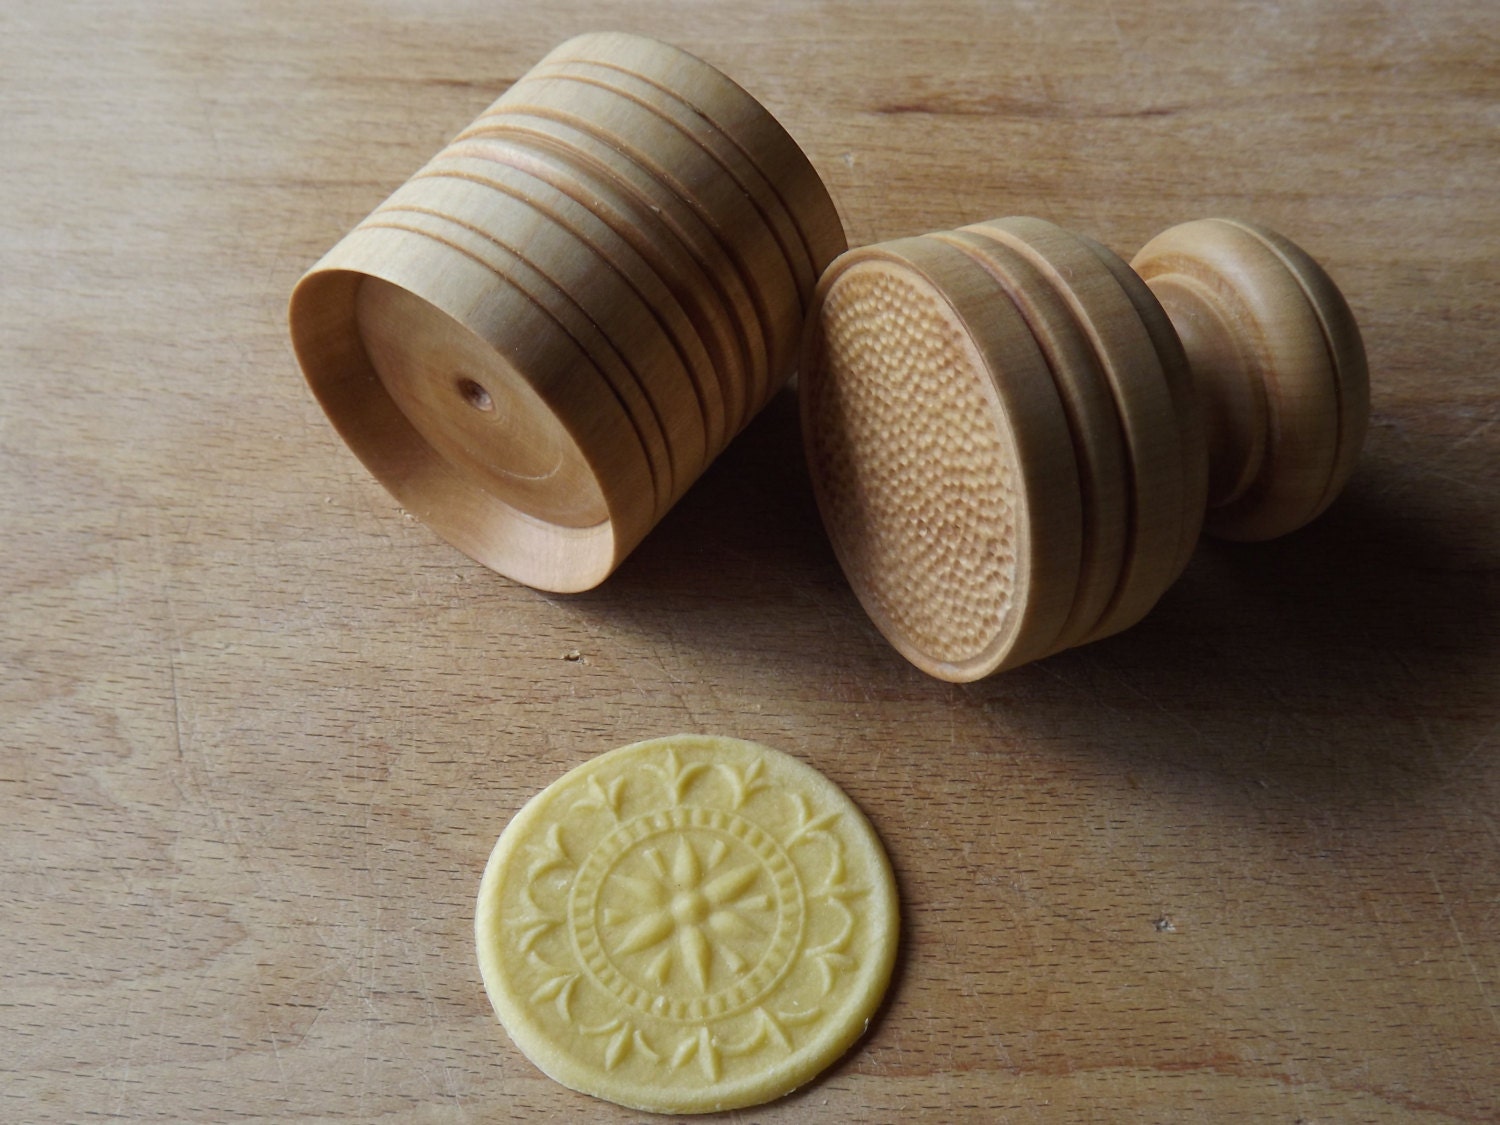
(688, 913)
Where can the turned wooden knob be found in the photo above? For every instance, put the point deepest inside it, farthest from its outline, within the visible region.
(544, 337)
(1016, 439)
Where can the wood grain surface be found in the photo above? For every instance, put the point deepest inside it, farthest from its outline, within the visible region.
(261, 728)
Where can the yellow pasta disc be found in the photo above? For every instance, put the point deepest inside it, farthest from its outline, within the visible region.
(686, 925)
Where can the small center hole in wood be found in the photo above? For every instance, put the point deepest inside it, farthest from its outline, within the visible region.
(475, 395)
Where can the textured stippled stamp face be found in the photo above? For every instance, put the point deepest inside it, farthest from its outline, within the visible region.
(687, 924)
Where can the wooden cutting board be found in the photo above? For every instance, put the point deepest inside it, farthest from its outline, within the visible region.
(262, 727)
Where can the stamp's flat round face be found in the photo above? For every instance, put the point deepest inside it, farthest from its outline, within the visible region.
(916, 475)
(941, 457)
(686, 925)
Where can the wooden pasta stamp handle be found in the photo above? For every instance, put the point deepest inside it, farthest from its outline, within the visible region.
(1279, 366)
(1016, 438)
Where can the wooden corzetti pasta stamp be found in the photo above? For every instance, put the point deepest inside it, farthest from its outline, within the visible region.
(1016, 438)
(547, 333)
